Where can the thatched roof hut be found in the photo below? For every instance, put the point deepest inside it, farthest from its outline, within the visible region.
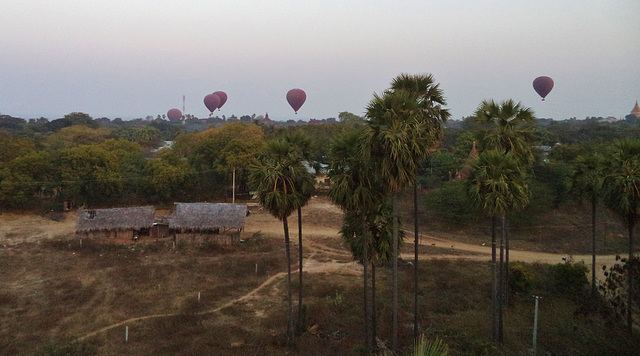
(115, 219)
(207, 216)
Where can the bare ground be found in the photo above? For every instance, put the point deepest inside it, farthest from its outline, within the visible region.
(324, 252)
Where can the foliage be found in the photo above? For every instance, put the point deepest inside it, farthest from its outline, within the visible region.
(510, 131)
(439, 167)
(76, 135)
(397, 139)
(497, 183)
(280, 180)
(622, 185)
(450, 203)
(146, 136)
(568, 278)
(423, 347)
(614, 288)
(522, 278)
(13, 146)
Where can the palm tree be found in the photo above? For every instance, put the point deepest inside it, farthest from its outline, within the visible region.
(622, 195)
(507, 128)
(356, 192)
(377, 234)
(397, 141)
(277, 177)
(586, 181)
(497, 185)
(302, 143)
(431, 100)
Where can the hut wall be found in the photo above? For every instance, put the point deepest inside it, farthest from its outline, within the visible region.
(198, 237)
(159, 231)
(108, 234)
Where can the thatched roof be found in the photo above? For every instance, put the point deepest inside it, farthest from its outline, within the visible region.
(115, 219)
(208, 216)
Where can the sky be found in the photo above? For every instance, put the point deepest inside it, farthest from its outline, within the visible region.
(130, 59)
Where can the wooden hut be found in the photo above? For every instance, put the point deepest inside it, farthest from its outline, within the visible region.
(208, 222)
(115, 222)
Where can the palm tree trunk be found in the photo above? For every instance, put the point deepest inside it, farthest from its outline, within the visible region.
(365, 264)
(630, 278)
(287, 250)
(501, 284)
(593, 246)
(374, 313)
(506, 262)
(300, 321)
(415, 261)
(394, 303)
(494, 283)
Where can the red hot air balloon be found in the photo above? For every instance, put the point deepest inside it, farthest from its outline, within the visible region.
(174, 115)
(212, 102)
(223, 98)
(296, 98)
(543, 86)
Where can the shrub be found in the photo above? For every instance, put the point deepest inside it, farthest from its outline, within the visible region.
(568, 278)
(522, 278)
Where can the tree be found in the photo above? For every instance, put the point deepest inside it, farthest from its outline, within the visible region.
(277, 177)
(586, 181)
(355, 190)
(397, 141)
(622, 195)
(24, 178)
(430, 100)
(509, 128)
(497, 185)
(302, 144)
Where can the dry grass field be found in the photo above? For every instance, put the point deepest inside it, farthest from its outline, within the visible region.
(63, 296)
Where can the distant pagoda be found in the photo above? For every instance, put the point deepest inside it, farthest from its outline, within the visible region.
(636, 110)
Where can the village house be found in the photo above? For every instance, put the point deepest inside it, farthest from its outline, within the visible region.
(208, 222)
(128, 223)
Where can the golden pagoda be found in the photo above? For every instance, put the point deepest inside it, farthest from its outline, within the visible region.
(636, 110)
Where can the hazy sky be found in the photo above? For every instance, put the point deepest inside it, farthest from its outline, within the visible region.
(123, 58)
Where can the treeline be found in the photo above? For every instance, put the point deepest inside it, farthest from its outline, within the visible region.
(103, 163)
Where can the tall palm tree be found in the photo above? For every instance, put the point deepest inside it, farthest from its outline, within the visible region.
(277, 177)
(586, 181)
(302, 144)
(497, 185)
(375, 244)
(355, 190)
(622, 195)
(508, 128)
(431, 100)
(397, 141)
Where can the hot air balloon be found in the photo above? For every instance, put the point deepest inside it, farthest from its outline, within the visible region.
(296, 98)
(223, 98)
(174, 115)
(212, 102)
(543, 86)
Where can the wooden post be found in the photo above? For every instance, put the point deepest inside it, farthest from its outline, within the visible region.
(126, 334)
(233, 189)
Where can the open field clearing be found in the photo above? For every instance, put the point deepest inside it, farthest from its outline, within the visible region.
(60, 294)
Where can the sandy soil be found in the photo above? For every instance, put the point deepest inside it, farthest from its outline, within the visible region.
(323, 251)
(320, 219)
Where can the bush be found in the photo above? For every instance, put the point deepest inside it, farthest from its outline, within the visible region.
(568, 278)
(522, 278)
(450, 202)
